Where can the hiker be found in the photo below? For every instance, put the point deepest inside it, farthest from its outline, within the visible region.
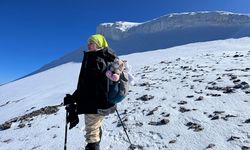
(90, 97)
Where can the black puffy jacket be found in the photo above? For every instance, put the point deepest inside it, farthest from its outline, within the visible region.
(92, 89)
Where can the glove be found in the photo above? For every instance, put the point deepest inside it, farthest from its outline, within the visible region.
(72, 115)
(68, 99)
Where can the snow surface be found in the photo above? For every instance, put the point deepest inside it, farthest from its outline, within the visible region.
(169, 75)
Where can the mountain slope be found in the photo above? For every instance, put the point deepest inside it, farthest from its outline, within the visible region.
(120, 30)
(191, 97)
(166, 31)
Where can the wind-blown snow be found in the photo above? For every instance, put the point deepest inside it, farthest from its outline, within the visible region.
(174, 78)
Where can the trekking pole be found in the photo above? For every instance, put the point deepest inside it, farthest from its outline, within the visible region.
(66, 130)
(123, 127)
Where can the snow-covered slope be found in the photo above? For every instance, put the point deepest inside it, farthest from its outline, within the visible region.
(190, 97)
(164, 32)
(115, 31)
(176, 29)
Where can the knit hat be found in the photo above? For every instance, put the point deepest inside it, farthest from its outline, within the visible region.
(99, 40)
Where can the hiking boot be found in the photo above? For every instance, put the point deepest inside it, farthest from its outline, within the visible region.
(93, 146)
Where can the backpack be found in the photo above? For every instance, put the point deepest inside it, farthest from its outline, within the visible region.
(118, 86)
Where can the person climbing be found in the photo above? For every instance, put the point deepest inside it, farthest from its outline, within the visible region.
(91, 94)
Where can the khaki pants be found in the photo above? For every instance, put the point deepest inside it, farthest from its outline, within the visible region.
(93, 122)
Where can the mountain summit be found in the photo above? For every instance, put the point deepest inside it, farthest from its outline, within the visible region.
(175, 29)
(121, 30)
(167, 31)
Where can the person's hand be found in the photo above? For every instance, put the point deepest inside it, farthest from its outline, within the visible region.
(72, 115)
(68, 99)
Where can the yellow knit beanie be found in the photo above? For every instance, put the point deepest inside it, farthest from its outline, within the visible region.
(99, 40)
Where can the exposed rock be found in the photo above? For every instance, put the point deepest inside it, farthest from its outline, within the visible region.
(7, 141)
(164, 98)
(162, 122)
(187, 68)
(235, 56)
(195, 126)
(232, 138)
(233, 77)
(195, 70)
(245, 85)
(145, 97)
(178, 59)
(247, 69)
(229, 70)
(215, 117)
(30, 109)
(219, 112)
(210, 116)
(190, 96)
(237, 80)
(152, 111)
(165, 114)
(183, 109)
(247, 92)
(45, 110)
(218, 78)
(247, 121)
(245, 148)
(228, 90)
(21, 125)
(172, 141)
(138, 124)
(164, 62)
(182, 102)
(210, 146)
(135, 147)
(214, 95)
(35, 147)
(212, 83)
(54, 136)
(5, 126)
(215, 88)
(5, 104)
(199, 98)
(198, 80)
(237, 86)
(228, 116)
(147, 84)
(198, 92)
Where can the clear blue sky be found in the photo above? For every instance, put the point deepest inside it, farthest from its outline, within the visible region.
(35, 32)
